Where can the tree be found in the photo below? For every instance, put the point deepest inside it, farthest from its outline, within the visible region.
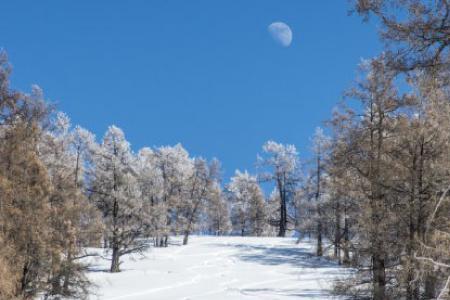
(343, 204)
(424, 148)
(320, 147)
(74, 221)
(418, 46)
(176, 168)
(45, 218)
(116, 192)
(248, 204)
(83, 145)
(25, 210)
(283, 168)
(367, 157)
(25, 188)
(196, 194)
(150, 182)
(417, 32)
(217, 212)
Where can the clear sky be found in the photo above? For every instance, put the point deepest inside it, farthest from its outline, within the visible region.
(203, 73)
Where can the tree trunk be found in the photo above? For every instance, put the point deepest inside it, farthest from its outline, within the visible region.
(378, 256)
(319, 238)
(379, 277)
(337, 233)
(346, 259)
(319, 212)
(283, 221)
(67, 273)
(186, 237)
(411, 288)
(283, 210)
(430, 287)
(115, 263)
(56, 275)
(24, 280)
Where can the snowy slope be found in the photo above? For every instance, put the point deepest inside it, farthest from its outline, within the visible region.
(220, 268)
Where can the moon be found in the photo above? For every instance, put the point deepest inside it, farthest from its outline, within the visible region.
(281, 33)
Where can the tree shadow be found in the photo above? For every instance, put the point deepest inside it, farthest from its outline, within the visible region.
(97, 269)
(304, 293)
(293, 255)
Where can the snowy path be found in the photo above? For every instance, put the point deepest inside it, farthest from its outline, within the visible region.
(220, 268)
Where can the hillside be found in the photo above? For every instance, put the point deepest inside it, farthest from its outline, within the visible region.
(220, 268)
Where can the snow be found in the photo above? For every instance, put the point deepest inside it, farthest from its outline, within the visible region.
(219, 268)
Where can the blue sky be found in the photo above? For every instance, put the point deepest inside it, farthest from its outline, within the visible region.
(204, 73)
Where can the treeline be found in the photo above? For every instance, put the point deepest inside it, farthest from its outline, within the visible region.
(378, 187)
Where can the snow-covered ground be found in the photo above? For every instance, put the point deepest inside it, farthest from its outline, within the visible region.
(220, 268)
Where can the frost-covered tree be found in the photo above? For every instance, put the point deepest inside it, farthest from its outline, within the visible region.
(150, 182)
(116, 191)
(176, 169)
(280, 164)
(75, 222)
(320, 147)
(306, 209)
(197, 193)
(217, 212)
(273, 213)
(248, 204)
(83, 146)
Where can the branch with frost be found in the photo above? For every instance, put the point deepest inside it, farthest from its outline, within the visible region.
(429, 260)
(438, 204)
(84, 255)
(432, 261)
